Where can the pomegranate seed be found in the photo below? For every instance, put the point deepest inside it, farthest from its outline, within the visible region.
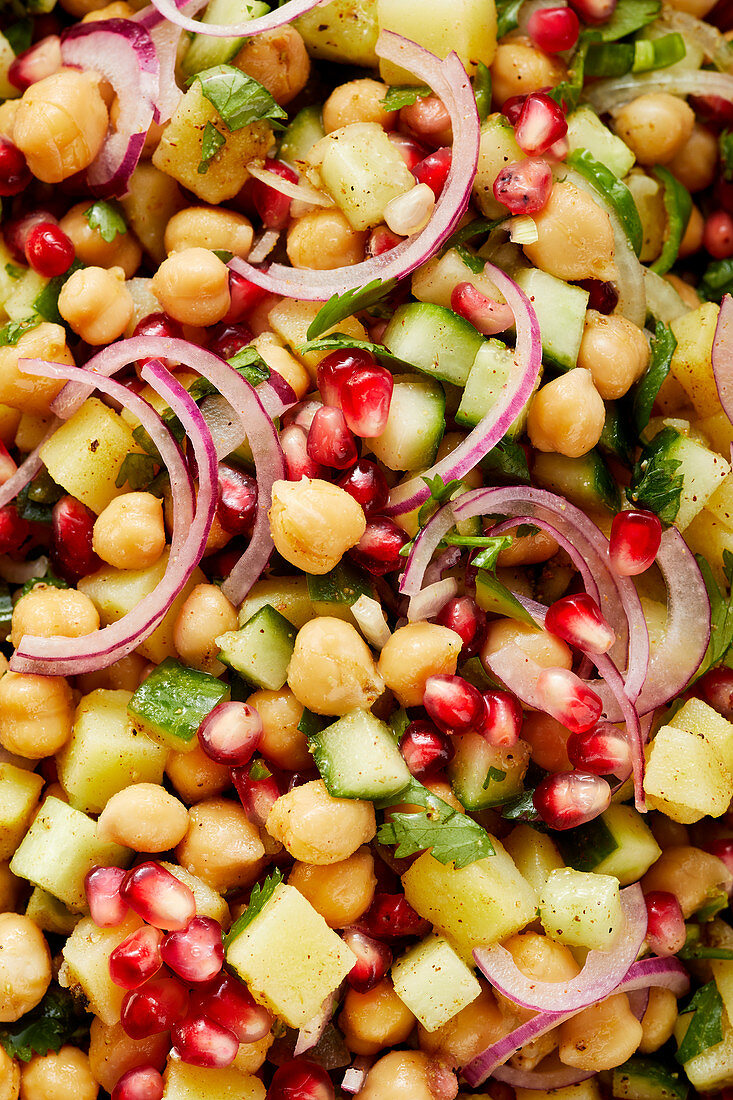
(154, 1007)
(16, 230)
(329, 440)
(665, 932)
(72, 528)
(335, 368)
(244, 296)
(425, 749)
(272, 206)
(567, 799)
(412, 151)
(512, 108)
(375, 959)
(634, 542)
(603, 296)
(102, 888)
(718, 235)
(257, 796)
(578, 620)
(158, 324)
(722, 850)
(564, 696)
(230, 733)
(15, 175)
(13, 530)
(227, 339)
(158, 896)
(434, 169)
(137, 958)
(391, 917)
(381, 240)
(37, 62)
(378, 549)
(524, 187)
(453, 704)
(48, 250)
(716, 688)
(541, 123)
(483, 313)
(366, 396)
(202, 1042)
(594, 11)
(141, 1083)
(236, 508)
(553, 29)
(504, 718)
(301, 1080)
(602, 750)
(195, 954)
(465, 617)
(366, 483)
(294, 443)
(228, 1002)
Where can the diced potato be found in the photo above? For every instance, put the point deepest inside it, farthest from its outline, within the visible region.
(466, 26)
(344, 30)
(434, 982)
(291, 318)
(27, 392)
(707, 536)
(720, 504)
(535, 854)
(691, 364)
(19, 791)
(9, 420)
(50, 914)
(209, 903)
(648, 196)
(719, 431)
(684, 777)
(288, 595)
(86, 964)
(699, 718)
(672, 399)
(581, 909)
(435, 281)
(154, 197)
(32, 430)
(184, 1082)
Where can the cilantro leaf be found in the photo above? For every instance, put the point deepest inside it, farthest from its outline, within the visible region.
(453, 837)
(137, 470)
(507, 16)
(249, 363)
(107, 217)
(46, 304)
(440, 492)
(706, 1028)
(568, 92)
(496, 775)
(223, 254)
(725, 148)
(211, 143)
(11, 332)
(336, 341)
(479, 227)
(507, 462)
(721, 617)
(15, 272)
(629, 16)
(239, 99)
(19, 35)
(54, 1022)
(259, 770)
(398, 722)
(663, 345)
(403, 95)
(487, 558)
(655, 482)
(311, 724)
(522, 808)
(340, 306)
(482, 91)
(258, 899)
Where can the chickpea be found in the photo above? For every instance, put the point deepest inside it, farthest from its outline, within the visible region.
(9, 1077)
(323, 240)
(195, 776)
(428, 117)
(340, 892)
(375, 1020)
(25, 966)
(696, 163)
(144, 817)
(690, 873)
(548, 740)
(205, 615)
(279, 60)
(97, 304)
(124, 675)
(655, 126)
(11, 890)
(192, 286)
(280, 360)
(46, 611)
(332, 669)
(112, 1052)
(118, 9)
(91, 248)
(209, 227)
(519, 68)
(130, 533)
(567, 415)
(600, 1037)
(221, 846)
(61, 124)
(528, 550)
(540, 957)
(469, 1032)
(36, 714)
(615, 351)
(314, 523)
(316, 828)
(282, 743)
(575, 236)
(415, 652)
(8, 112)
(692, 239)
(698, 8)
(62, 1076)
(400, 1075)
(357, 101)
(659, 1019)
(538, 645)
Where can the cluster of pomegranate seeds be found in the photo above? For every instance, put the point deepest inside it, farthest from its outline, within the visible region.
(158, 896)
(236, 507)
(379, 548)
(568, 799)
(351, 381)
(230, 733)
(14, 530)
(15, 174)
(48, 250)
(330, 442)
(71, 551)
(301, 1080)
(366, 483)
(578, 621)
(433, 170)
(541, 123)
(272, 206)
(463, 615)
(453, 704)
(486, 315)
(227, 1001)
(141, 1083)
(666, 932)
(375, 959)
(634, 543)
(154, 1007)
(602, 750)
(553, 29)
(567, 698)
(102, 888)
(524, 186)
(503, 720)
(425, 749)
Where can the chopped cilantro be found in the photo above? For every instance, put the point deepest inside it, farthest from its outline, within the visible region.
(336, 341)
(522, 808)
(492, 547)
(440, 493)
(19, 35)
(340, 306)
(628, 17)
(259, 771)
(49, 578)
(239, 99)
(51, 1024)
(663, 344)
(721, 615)
(655, 482)
(507, 16)
(403, 95)
(211, 143)
(311, 724)
(11, 332)
(107, 217)
(717, 280)
(453, 837)
(137, 470)
(14, 271)
(496, 775)
(706, 1027)
(482, 91)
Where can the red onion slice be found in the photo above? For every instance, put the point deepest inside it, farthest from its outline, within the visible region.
(449, 80)
(722, 355)
(432, 599)
(166, 37)
(172, 10)
(124, 54)
(26, 471)
(312, 1032)
(555, 1076)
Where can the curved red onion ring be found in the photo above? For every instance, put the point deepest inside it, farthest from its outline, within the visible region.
(170, 9)
(311, 1033)
(27, 470)
(667, 973)
(124, 54)
(543, 1079)
(166, 37)
(722, 355)
(63, 656)
(448, 79)
(432, 599)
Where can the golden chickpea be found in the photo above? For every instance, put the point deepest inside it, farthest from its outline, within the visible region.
(539, 645)
(575, 236)
(58, 1076)
(316, 828)
(205, 615)
(693, 236)
(332, 669)
(600, 1037)
(8, 112)
(400, 1075)
(192, 286)
(375, 1020)
(46, 611)
(615, 351)
(124, 675)
(528, 550)
(691, 874)
(282, 743)
(144, 817)
(11, 890)
(542, 958)
(698, 8)
(221, 846)
(548, 740)
(469, 1032)
(357, 101)
(323, 239)
(96, 303)
(284, 363)
(340, 892)
(659, 1019)
(279, 60)
(25, 966)
(696, 164)
(566, 415)
(655, 126)
(118, 9)
(9, 1077)
(23, 391)
(415, 652)
(195, 776)
(130, 533)
(519, 68)
(209, 227)
(61, 124)
(36, 714)
(314, 523)
(112, 1052)
(92, 249)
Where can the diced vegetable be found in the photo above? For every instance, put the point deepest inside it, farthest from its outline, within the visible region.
(581, 909)
(434, 982)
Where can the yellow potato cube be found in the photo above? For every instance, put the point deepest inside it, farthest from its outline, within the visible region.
(719, 430)
(154, 197)
(29, 392)
(706, 535)
(535, 854)
(290, 319)
(684, 777)
(720, 504)
(466, 26)
(19, 791)
(86, 964)
(691, 364)
(699, 718)
(184, 1082)
(434, 982)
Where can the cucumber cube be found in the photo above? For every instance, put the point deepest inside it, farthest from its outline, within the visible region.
(289, 957)
(415, 424)
(586, 131)
(691, 363)
(301, 135)
(560, 310)
(617, 843)
(185, 1082)
(586, 482)
(50, 914)
(645, 1079)
(170, 705)
(699, 718)
(435, 340)
(260, 651)
(288, 595)
(534, 853)
(491, 369)
(334, 593)
(359, 758)
(59, 849)
(482, 775)
(105, 752)
(497, 149)
(581, 909)
(685, 778)
(86, 964)
(19, 792)
(434, 982)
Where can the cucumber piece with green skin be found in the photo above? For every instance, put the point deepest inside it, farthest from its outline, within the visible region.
(678, 206)
(415, 425)
(359, 758)
(613, 191)
(586, 131)
(172, 702)
(617, 843)
(301, 135)
(586, 481)
(493, 596)
(491, 368)
(617, 439)
(560, 310)
(288, 595)
(435, 340)
(261, 649)
(482, 775)
(334, 593)
(645, 1079)
(205, 52)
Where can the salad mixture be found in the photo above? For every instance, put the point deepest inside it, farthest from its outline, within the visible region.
(366, 545)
